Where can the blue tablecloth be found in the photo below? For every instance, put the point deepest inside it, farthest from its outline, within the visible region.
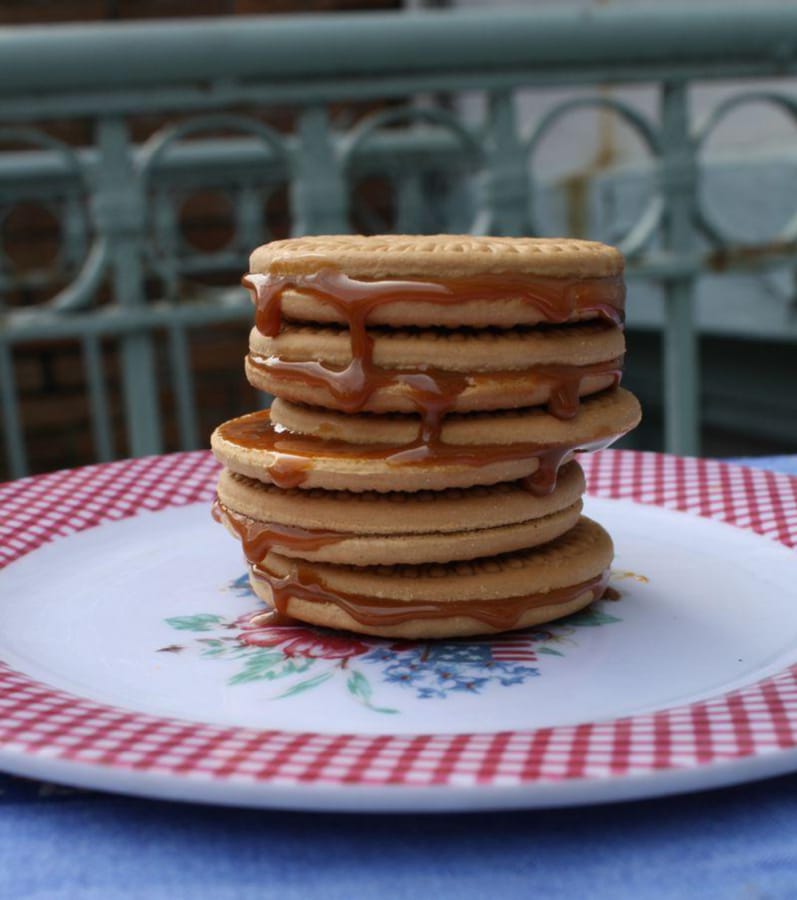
(735, 843)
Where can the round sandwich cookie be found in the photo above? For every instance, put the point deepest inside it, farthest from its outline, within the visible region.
(296, 446)
(415, 475)
(474, 369)
(379, 529)
(482, 596)
(435, 280)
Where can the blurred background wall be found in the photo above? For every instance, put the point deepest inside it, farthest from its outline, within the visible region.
(599, 173)
(594, 177)
(51, 376)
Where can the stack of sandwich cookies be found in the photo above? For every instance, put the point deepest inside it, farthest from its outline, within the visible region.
(414, 476)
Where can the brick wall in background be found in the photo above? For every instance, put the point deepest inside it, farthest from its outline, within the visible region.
(52, 388)
(42, 12)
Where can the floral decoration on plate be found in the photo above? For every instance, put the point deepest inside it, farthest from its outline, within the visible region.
(302, 657)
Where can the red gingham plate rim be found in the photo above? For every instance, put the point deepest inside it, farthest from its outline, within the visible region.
(745, 734)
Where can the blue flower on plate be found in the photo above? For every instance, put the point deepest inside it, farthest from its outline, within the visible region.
(403, 674)
(381, 655)
(517, 674)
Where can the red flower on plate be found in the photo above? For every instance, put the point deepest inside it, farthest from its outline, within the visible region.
(270, 636)
(298, 641)
(324, 646)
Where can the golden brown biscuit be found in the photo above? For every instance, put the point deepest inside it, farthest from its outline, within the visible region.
(398, 512)
(444, 255)
(379, 529)
(337, 547)
(483, 369)
(448, 280)
(600, 416)
(479, 597)
(406, 481)
(303, 447)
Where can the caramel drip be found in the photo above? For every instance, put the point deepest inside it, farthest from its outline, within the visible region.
(565, 382)
(502, 614)
(543, 481)
(289, 471)
(256, 432)
(353, 392)
(257, 538)
(557, 300)
(433, 396)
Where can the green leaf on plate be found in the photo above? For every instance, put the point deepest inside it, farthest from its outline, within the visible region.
(382, 709)
(212, 646)
(305, 685)
(590, 618)
(258, 666)
(200, 622)
(359, 686)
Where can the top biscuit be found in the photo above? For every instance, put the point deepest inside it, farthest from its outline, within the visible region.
(438, 256)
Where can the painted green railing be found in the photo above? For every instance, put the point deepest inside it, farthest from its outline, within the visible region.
(117, 201)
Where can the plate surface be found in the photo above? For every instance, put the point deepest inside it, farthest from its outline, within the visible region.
(127, 661)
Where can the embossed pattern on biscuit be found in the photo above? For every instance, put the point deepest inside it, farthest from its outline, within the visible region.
(438, 256)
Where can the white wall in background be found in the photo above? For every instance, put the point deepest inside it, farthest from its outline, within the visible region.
(595, 172)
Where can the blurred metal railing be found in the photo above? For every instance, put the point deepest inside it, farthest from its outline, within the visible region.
(116, 201)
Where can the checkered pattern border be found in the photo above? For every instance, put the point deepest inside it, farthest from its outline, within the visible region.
(35, 719)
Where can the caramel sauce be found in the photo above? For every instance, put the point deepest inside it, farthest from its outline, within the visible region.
(433, 393)
(289, 471)
(352, 390)
(433, 396)
(271, 618)
(257, 432)
(353, 387)
(557, 299)
(565, 382)
(257, 538)
(501, 614)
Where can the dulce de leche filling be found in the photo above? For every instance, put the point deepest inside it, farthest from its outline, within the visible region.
(557, 299)
(297, 452)
(352, 391)
(501, 613)
(433, 393)
(258, 538)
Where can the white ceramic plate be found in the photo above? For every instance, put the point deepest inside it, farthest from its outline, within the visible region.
(129, 664)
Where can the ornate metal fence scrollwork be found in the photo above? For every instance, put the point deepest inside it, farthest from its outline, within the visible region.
(117, 201)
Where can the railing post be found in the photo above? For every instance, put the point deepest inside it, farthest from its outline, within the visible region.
(506, 180)
(118, 209)
(679, 184)
(318, 188)
(248, 217)
(13, 437)
(412, 213)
